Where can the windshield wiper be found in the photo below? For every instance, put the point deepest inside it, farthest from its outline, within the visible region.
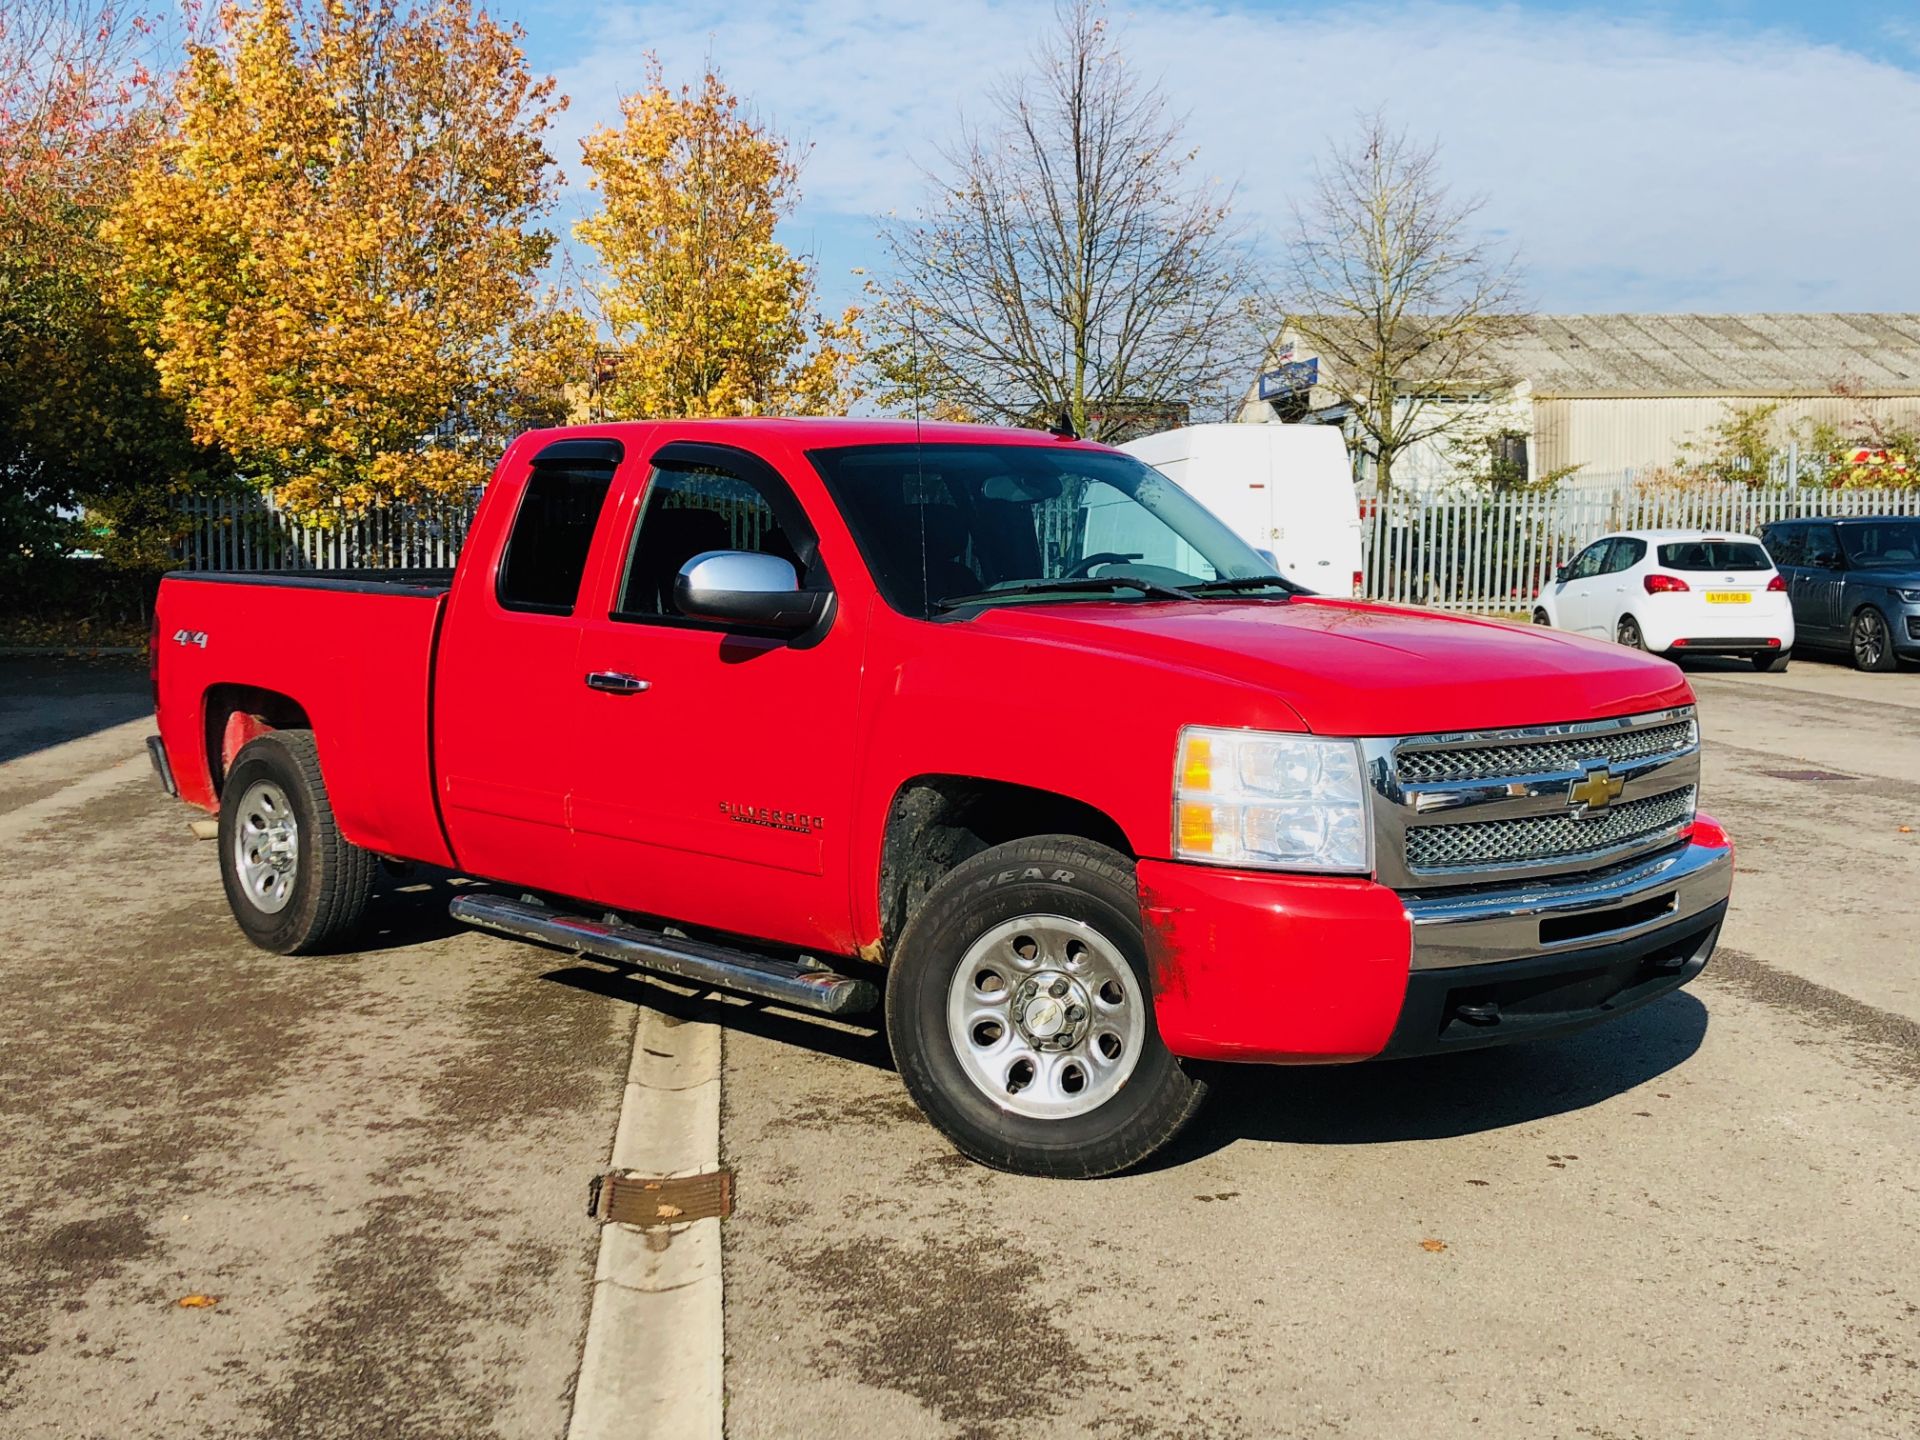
(1095, 583)
(1247, 582)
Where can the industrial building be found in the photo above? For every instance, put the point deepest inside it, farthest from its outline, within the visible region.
(1611, 394)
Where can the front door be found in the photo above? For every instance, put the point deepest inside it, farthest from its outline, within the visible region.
(718, 789)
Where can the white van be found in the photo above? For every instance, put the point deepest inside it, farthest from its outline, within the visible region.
(1287, 490)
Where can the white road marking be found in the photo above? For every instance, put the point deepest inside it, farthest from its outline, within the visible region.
(652, 1364)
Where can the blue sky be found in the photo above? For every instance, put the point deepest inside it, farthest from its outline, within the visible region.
(1718, 155)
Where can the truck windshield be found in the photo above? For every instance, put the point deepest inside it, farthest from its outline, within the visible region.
(977, 524)
(1714, 555)
(1882, 544)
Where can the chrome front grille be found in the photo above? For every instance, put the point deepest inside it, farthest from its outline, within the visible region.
(1541, 757)
(1538, 839)
(1471, 808)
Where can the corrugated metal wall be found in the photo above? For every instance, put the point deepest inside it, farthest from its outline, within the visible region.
(1631, 433)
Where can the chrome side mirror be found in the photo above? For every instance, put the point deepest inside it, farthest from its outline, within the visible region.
(738, 587)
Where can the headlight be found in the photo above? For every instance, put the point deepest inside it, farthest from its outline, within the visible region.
(1276, 802)
(1912, 597)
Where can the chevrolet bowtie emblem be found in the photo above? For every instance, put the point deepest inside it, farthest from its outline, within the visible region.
(1599, 789)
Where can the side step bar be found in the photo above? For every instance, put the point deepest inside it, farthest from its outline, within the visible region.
(786, 982)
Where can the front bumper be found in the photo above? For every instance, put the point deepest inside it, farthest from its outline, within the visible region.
(1284, 969)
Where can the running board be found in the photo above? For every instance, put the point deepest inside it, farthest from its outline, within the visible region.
(786, 982)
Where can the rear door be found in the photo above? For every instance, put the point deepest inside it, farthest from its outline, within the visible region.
(1787, 547)
(507, 671)
(719, 794)
(1816, 594)
(1576, 598)
(1617, 585)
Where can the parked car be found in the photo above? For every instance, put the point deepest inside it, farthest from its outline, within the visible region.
(1675, 593)
(1854, 583)
(1287, 490)
(804, 709)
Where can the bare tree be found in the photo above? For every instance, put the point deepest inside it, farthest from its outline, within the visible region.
(1390, 285)
(1065, 259)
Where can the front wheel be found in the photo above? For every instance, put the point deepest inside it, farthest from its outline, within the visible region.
(1871, 644)
(1021, 1015)
(294, 883)
(1540, 617)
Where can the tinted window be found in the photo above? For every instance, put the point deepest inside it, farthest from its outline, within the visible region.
(1625, 555)
(1714, 555)
(1882, 544)
(693, 508)
(547, 551)
(1823, 547)
(941, 521)
(1785, 543)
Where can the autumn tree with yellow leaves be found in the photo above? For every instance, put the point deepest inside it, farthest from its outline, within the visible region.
(711, 315)
(335, 257)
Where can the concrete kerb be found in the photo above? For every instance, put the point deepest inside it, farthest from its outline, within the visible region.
(652, 1364)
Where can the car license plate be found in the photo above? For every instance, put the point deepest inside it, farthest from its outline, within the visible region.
(1728, 597)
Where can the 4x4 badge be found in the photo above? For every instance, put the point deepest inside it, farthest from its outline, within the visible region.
(1598, 789)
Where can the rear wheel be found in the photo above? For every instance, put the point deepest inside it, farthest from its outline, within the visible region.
(1627, 633)
(294, 884)
(1021, 1015)
(1772, 664)
(1871, 643)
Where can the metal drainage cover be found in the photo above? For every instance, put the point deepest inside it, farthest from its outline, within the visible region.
(651, 1201)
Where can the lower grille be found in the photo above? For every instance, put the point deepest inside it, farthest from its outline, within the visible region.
(1536, 838)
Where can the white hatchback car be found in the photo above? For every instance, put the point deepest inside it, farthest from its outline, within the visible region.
(1675, 592)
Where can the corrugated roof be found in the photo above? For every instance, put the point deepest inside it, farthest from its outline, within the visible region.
(1764, 354)
(1715, 354)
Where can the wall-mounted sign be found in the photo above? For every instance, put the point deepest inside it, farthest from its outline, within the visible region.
(1291, 378)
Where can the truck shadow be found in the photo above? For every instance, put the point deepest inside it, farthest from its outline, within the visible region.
(1445, 1096)
(861, 1044)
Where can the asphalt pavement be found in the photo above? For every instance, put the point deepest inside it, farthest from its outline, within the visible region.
(1696, 1221)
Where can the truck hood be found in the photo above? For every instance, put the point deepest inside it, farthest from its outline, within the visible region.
(1354, 669)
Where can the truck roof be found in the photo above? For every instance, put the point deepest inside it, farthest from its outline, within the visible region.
(827, 430)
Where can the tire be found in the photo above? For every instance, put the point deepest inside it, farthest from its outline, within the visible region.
(1540, 617)
(1870, 641)
(1772, 664)
(1015, 914)
(1627, 633)
(294, 885)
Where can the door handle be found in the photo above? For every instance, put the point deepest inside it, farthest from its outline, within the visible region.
(614, 683)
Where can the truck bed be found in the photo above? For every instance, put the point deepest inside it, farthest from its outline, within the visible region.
(350, 654)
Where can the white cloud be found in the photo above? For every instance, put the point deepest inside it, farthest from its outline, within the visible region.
(1638, 165)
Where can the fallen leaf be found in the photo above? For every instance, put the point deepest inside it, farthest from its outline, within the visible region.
(667, 1212)
(1433, 1247)
(1477, 1182)
(197, 1302)
(1906, 829)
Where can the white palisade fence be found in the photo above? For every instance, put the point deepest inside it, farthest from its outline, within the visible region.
(1486, 552)
(250, 532)
(1470, 551)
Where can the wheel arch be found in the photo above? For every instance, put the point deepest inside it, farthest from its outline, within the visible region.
(936, 822)
(234, 714)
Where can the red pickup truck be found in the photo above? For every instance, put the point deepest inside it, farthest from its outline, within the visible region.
(1000, 728)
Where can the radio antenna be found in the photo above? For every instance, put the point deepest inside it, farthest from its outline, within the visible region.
(919, 460)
